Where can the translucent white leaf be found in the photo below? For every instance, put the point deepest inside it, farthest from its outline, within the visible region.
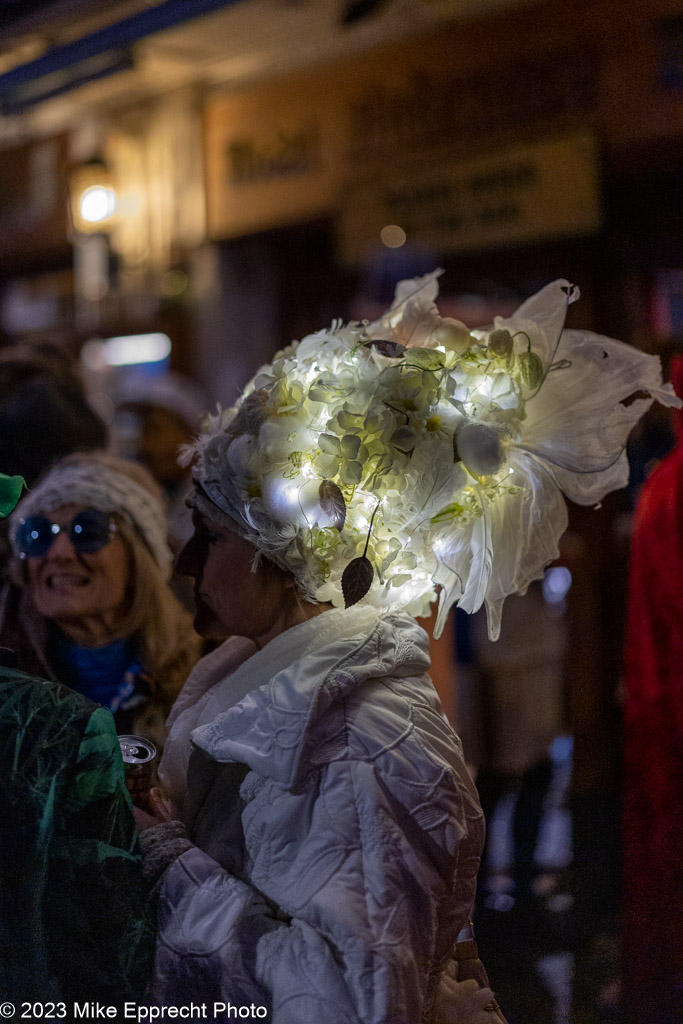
(525, 530)
(413, 314)
(543, 314)
(577, 421)
(481, 564)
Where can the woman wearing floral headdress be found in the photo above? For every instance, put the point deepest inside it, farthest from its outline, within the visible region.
(330, 831)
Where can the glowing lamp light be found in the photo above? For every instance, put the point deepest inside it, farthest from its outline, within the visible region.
(556, 583)
(393, 236)
(92, 197)
(97, 204)
(127, 350)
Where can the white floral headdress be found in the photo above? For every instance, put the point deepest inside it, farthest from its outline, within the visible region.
(381, 461)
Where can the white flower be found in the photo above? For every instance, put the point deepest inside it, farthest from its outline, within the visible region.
(572, 441)
(441, 455)
(413, 316)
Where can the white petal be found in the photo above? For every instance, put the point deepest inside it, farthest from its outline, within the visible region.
(413, 314)
(434, 480)
(547, 310)
(240, 454)
(448, 579)
(501, 552)
(481, 565)
(426, 287)
(577, 422)
(525, 532)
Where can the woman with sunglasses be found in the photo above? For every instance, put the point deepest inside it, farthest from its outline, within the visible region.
(90, 605)
(74, 921)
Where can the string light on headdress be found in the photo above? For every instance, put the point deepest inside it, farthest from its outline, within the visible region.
(387, 461)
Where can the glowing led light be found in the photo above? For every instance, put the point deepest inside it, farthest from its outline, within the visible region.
(281, 497)
(483, 387)
(367, 502)
(97, 204)
(284, 493)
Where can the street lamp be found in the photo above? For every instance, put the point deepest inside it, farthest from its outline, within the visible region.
(94, 208)
(93, 198)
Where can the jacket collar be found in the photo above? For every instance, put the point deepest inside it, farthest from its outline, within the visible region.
(268, 730)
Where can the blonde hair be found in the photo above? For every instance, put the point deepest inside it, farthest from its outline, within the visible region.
(162, 629)
(152, 617)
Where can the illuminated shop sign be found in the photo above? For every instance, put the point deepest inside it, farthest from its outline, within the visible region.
(523, 193)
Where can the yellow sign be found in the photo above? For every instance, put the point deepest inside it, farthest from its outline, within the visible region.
(524, 193)
(282, 152)
(271, 158)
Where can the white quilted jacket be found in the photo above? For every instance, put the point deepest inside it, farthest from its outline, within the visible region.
(338, 837)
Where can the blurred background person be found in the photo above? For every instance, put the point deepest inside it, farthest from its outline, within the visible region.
(511, 710)
(155, 415)
(516, 705)
(44, 414)
(653, 739)
(90, 605)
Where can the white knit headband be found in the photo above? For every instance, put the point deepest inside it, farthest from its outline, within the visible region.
(97, 486)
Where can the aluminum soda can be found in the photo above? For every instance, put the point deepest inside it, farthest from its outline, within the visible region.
(139, 757)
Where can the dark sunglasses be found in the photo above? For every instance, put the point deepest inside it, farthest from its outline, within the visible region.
(89, 531)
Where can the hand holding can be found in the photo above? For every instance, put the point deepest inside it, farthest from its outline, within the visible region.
(139, 762)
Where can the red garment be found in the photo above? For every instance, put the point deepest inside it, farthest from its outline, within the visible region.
(653, 747)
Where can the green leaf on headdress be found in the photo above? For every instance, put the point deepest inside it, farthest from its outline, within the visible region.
(356, 580)
(10, 492)
(500, 342)
(531, 369)
(425, 358)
